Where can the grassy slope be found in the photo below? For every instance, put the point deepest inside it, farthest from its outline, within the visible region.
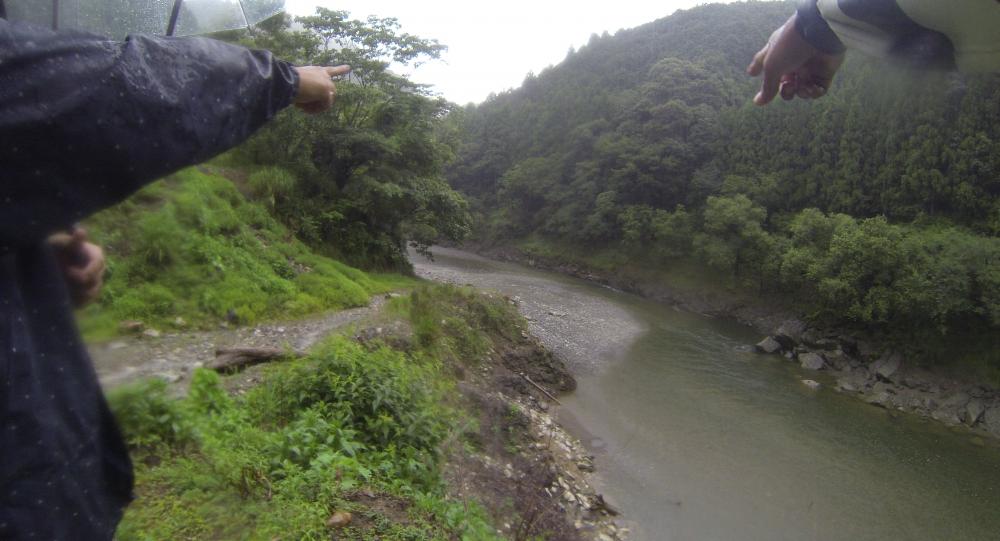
(356, 428)
(350, 428)
(192, 246)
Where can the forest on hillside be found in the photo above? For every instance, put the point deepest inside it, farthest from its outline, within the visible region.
(362, 180)
(876, 207)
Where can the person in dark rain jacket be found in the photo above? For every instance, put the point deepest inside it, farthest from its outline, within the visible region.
(84, 123)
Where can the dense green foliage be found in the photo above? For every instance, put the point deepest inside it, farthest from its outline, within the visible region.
(877, 206)
(456, 325)
(279, 461)
(192, 246)
(347, 420)
(359, 181)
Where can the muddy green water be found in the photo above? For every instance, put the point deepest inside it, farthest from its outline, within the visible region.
(698, 438)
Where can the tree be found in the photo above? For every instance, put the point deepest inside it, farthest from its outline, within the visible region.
(733, 238)
(370, 172)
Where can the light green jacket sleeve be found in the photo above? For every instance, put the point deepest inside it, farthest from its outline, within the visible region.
(882, 27)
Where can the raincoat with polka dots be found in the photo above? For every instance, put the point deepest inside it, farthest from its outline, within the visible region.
(84, 122)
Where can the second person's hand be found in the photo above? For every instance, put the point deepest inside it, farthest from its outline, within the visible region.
(792, 67)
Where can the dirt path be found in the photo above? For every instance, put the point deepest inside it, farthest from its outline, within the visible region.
(173, 356)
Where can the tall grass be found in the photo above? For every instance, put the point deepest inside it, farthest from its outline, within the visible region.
(193, 247)
(277, 462)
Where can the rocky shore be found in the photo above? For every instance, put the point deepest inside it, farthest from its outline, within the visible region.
(881, 377)
(885, 379)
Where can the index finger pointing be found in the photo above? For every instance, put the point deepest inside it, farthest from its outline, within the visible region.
(334, 71)
(768, 87)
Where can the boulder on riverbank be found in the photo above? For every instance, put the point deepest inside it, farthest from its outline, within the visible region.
(853, 381)
(812, 361)
(886, 366)
(991, 420)
(789, 334)
(768, 345)
(974, 411)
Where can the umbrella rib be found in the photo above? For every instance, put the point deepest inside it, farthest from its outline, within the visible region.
(172, 25)
(244, 12)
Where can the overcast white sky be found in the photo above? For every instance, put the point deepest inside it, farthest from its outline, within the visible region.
(492, 45)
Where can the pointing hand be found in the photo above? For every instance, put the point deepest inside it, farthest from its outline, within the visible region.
(792, 67)
(316, 88)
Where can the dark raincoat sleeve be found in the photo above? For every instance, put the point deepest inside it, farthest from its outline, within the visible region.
(85, 121)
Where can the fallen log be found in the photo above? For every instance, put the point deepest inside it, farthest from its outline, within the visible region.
(231, 360)
(540, 388)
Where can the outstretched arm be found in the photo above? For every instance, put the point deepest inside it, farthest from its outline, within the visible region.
(84, 121)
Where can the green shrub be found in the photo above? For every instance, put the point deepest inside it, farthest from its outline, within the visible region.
(157, 237)
(277, 461)
(148, 417)
(381, 396)
(455, 323)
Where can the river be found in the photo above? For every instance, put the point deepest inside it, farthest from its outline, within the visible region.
(698, 438)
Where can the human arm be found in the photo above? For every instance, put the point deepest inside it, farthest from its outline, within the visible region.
(85, 121)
